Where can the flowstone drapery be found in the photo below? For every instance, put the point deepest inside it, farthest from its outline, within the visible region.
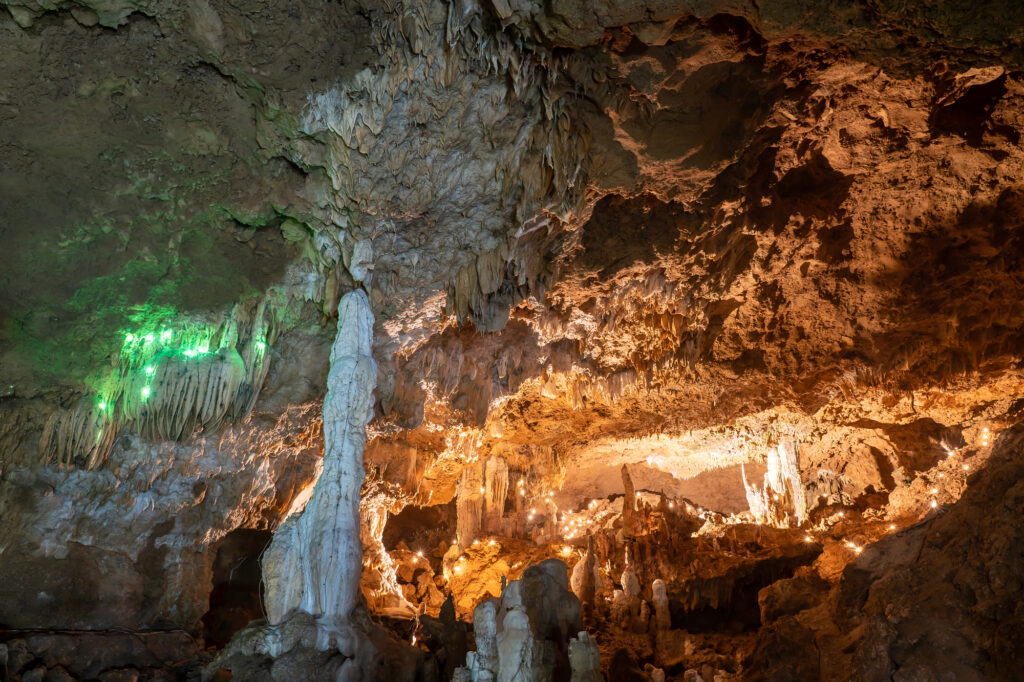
(782, 501)
(314, 562)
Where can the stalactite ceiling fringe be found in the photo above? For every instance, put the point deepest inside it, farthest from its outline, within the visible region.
(166, 383)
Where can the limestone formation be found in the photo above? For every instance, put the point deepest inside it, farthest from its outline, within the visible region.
(763, 259)
(314, 562)
(585, 659)
(524, 635)
(782, 500)
(585, 578)
(628, 505)
(662, 616)
(471, 496)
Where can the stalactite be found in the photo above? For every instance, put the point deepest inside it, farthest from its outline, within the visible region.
(495, 492)
(628, 505)
(782, 501)
(469, 504)
(167, 383)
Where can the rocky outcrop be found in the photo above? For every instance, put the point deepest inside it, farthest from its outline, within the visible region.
(529, 632)
(933, 600)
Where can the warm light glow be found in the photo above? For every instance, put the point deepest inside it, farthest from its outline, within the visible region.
(935, 491)
(934, 504)
(476, 542)
(966, 467)
(858, 550)
(491, 543)
(567, 550)
(808, 539)
(671, 505)
(892, 526)
(481, 491)
(419, 553)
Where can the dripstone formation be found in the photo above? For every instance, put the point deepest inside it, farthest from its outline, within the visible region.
(510, 340)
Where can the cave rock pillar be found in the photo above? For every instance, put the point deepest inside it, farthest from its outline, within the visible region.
(314, 561)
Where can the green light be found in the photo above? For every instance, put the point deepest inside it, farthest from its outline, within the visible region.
(129, 338)
(205, 348)
(190, 353)
(103, 406)
(149, 338)
(145, 392)
(165, 335)
(260, 345)
(149, 370)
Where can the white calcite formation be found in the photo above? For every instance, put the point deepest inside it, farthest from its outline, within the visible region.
(314, 562)
(524, 635)
(781, 502)
(585, 659)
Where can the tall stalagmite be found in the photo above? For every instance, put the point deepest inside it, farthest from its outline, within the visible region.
(314, 562)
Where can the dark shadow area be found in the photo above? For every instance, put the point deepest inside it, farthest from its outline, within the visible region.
(420, 527)
(237, 596)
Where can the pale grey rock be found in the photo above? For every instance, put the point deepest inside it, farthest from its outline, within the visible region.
(313, 564)
(585, 659)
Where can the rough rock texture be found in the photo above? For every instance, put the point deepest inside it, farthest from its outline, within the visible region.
(314, 563)
(678, 237)
(524, 635)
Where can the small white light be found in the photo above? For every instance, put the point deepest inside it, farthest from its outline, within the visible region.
(966, 467)
(892, 526)
(934, 504)
(935, 491)
(482, 491)
(491, 543)
(808, 539)
(858, 550)
(419, 553)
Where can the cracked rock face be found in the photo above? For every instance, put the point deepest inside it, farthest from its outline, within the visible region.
(719, 305)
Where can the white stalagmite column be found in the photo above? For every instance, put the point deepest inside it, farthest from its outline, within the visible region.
(314, 562)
